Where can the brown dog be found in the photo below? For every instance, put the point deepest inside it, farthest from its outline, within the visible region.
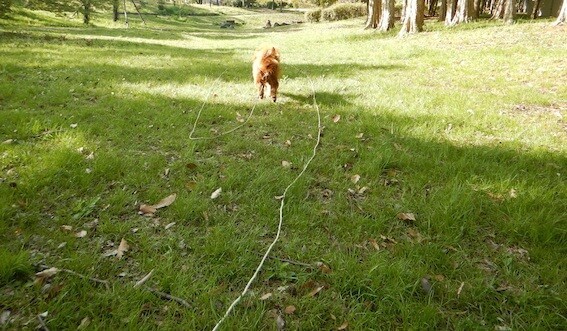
(266, 70)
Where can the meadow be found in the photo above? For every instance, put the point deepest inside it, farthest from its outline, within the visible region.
(436, 199)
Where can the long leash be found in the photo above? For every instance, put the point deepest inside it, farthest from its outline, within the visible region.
(282, 197)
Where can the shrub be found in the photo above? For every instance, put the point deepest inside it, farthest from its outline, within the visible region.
(343, 11)
(313, 16)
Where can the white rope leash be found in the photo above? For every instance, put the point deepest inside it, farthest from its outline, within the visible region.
(265, 257)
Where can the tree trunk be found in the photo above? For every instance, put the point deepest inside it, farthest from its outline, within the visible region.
(451, 10)
(562, 17)
(387, 16)
(86, 11)
(463, 12)
(536, 9)
(413, 17)
(499, 10)
(115, 5)
(373, 14)
(442, 11)
(509, 11)
(126, 15)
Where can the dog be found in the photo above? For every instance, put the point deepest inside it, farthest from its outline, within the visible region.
(266, 71)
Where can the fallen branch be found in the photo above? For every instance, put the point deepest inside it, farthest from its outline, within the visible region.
(307, 265)
(169, 297)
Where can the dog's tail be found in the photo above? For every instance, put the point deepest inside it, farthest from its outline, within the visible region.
(269, 61)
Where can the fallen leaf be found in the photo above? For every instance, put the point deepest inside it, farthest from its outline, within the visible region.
(47, 273)
(61, 245)
(333, 317)
(165, 201)
(439, 278)
(122, 248)
(266, 296)
(143, 280)
(289, 309)
(323, 267)
(168, 226)
(84, 323)
(316, 291)
(279, 197)
(81, 234)
(288, 143)
(74, 125)
(407, 217)
(343, 326)
(191, 166)
(190, 185)
(513, 193)
(67, 228)
(286, 164)
(5, 317)
(280, 322)
(216, 193)
(147, 210)
(426, 285)
(355, 178)
(374, 244)
(336, 118)
(360, 135)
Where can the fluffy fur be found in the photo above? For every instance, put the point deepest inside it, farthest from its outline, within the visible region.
(266, 71)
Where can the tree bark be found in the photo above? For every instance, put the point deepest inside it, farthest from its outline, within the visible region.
(499, 10)
(451, 10)
(373, 14)
(562, 17)
(509, 11)
(387, 17)
(115, 10)
(442, 11)
(413, 17)
(463, 13)
(86, 11)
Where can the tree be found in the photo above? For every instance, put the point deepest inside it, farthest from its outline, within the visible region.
(412, 18)
(562, 17)
(387, 17)
(463, 12)
(373, 14)
(115, 6)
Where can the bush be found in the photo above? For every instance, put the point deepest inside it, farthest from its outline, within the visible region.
(5, 6)
(313, 16)
(343, 11)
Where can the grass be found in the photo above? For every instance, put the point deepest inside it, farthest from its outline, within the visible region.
(462, 127)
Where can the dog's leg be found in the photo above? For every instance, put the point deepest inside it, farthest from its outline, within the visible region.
(260, 90)
(274, 89)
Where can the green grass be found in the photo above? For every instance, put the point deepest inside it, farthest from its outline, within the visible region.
(463, 127)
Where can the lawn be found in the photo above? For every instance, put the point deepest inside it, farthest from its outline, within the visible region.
(436, 198)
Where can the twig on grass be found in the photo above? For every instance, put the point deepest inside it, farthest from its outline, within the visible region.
(42, 323)
(166, 296)
(96, 280)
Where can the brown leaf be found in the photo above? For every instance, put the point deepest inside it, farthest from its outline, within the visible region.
(67, 228)
(191, 166)
(81, 234)
(47, 273)
(286, 164)
(316, 291)
(289, 309)
(406, 217)
(323, 267)
(343, 326)
(84, 323)
(288, 143)
(355, 178)
(336, 118)
(333, 317)
(122, 248)
(266, 296)
(147, 210)
(165, 201)
(374, 244)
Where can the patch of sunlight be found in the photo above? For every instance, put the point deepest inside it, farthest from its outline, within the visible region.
(146, 62)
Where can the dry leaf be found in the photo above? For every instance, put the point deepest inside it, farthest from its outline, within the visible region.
(280, 322)
(47, 273)
(323, 267)
(191, 166)
(407, 217)
(74, 125)
(289, 309)
(81, 234)
(286, 164)
(122, 248)
(288, 143)
(190, 185)
(374, 244)
(279, 197)
(360, 135)
(84, 323)
(143, 280)
(165, 201)
(266, 296)
(66, 228)
(355, 178)
(168, 226)
(216, 193)
(147, 210)
(513, 193)
(315, 291)
(336, 118)
(343, 326)
(333, 317)
(460, 289)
